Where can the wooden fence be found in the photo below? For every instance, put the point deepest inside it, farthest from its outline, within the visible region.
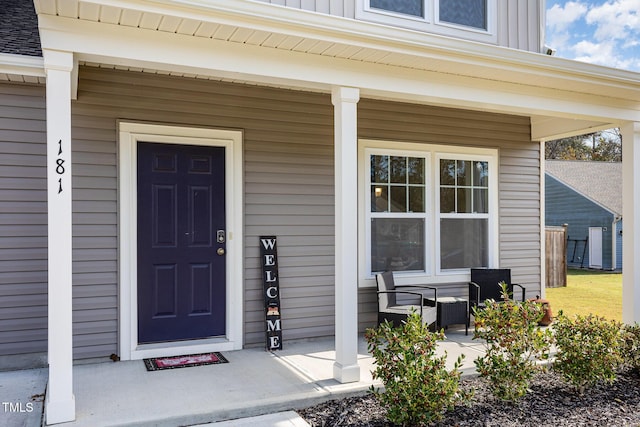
(556, 256)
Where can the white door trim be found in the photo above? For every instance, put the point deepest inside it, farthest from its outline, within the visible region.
(129, 135)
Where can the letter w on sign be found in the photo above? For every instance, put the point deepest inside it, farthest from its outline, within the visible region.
(271, 292)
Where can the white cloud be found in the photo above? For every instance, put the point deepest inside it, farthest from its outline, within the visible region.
(595, 53)
(560, 18)
(602, 53)
(605, 32)
(615, 19)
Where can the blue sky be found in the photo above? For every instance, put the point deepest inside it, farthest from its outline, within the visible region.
(604, 32)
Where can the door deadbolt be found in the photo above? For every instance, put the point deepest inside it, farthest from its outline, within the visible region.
(220, 251)
(220, 237)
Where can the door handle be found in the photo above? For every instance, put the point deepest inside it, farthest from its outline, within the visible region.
(220, 251)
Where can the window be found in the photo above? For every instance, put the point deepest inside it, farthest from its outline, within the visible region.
(464, 213)
(470, 13)
(469, 19)
(429, 210)
(397, 195)
(408, 7)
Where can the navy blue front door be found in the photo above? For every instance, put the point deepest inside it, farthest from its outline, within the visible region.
(181, 242)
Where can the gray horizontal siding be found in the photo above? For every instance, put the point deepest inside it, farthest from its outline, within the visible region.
(519, 22)
(95, 278)
(23, 225)
(520, 213)
(519, 179)
(288, 189)
(288, 185)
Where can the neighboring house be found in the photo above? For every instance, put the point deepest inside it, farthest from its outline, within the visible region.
(587, 196)
(364, 134)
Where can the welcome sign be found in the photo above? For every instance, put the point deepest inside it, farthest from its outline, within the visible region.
(271, 289)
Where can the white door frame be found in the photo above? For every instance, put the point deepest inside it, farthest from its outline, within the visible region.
(595, 247)
(129, 135)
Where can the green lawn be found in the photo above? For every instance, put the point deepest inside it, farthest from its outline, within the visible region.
(598, 293)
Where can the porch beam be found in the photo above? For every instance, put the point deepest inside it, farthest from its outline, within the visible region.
(124, 46)
(631, 214)
(345, 100)
(60, 402)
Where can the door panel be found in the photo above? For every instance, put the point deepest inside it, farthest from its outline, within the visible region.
(165, 291)
(199, 214)
(164, 215)
(181, 278)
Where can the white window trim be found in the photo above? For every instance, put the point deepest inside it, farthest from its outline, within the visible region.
(430, 22)
(129, 135)
(432, 154)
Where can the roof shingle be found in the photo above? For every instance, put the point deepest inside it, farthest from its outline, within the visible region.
(19, 28)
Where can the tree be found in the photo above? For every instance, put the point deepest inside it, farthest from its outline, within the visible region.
(603, 146)
(572, 148)
(608, 147)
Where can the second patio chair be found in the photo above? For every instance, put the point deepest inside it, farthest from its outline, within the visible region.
(484, 285)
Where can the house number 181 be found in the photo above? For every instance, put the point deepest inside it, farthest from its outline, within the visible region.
(60, 166)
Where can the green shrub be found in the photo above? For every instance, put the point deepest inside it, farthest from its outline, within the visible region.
(631, 346)
(514, 344)
(418, 388)
(588, 349)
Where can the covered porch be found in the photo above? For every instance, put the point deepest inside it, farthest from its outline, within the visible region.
(265, 46)
(254, 382)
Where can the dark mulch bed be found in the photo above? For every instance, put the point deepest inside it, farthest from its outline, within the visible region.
(550, 402)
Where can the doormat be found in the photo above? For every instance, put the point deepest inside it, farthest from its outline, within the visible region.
(160, 363)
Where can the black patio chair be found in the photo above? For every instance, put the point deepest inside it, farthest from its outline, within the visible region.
(484, 285)
(389, 309)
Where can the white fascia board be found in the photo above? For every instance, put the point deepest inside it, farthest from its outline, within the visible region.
(287, 20)
(135, 47)
(22, 65)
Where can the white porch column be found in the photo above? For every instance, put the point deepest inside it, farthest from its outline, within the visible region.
(345, 368)
(631, 218)
(60, 404)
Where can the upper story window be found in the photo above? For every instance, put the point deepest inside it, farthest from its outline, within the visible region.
(469, 19)
(471, 13)
(408, 7)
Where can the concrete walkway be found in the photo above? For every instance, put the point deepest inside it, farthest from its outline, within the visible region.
(253, 383)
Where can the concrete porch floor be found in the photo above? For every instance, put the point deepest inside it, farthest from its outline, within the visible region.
(254, 382)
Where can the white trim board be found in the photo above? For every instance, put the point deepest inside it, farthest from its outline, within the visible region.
(129, 135)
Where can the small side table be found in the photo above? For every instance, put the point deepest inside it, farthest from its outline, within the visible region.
(451, 311)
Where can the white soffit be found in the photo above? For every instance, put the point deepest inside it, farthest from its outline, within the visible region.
(244, 23)
(549, 128)
(21, 68)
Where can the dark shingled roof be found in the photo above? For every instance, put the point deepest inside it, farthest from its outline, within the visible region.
(19, 28)
(599, 181)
